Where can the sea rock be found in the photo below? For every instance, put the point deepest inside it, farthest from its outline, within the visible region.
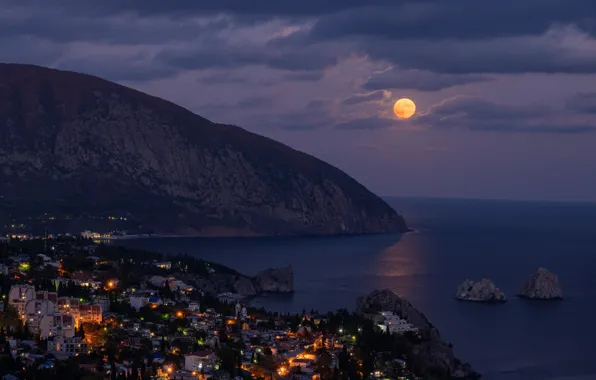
(275, 280)
(543, 285)
(479, 291)
(244, 286)
(74, 144)
(432, 354)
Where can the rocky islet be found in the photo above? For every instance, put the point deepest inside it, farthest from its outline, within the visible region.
(483, 290)
(542, 285)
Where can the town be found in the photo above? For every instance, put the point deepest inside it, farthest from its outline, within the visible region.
(76, 309)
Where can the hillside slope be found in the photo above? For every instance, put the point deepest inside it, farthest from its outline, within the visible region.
(76, 144)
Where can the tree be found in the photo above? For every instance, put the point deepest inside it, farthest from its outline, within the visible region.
(144, 374)
(134, 371)
(267, 361)
(80, 332)
(228, 359)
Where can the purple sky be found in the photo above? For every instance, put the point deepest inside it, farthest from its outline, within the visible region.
(505, 90)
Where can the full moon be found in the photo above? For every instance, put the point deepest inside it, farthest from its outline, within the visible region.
(404, 108)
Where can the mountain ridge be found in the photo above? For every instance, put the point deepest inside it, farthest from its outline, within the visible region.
(76, 143)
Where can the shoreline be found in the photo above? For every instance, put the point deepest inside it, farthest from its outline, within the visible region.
(216, 236)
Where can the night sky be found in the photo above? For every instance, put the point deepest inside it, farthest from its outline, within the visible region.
(505, 90)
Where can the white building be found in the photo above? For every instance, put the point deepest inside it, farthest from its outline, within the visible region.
(90, 235)
(35, 311)
(197, 361)
(67, 346)
(177, 284)
(138, 301)
(394, 324)
(19, 296)
(194, 306)
(57, 325)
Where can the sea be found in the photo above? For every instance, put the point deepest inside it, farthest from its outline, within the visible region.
(453, 239)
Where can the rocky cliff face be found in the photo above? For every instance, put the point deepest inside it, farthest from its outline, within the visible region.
(275, 280)
(479, 291)
(436, 355)
(272, 280)
(77, 144)
(542, 285)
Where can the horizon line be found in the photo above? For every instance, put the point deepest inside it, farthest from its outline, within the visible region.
(463, 198)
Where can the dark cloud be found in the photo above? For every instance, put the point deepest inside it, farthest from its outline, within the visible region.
(563, 50)
(420, 80)
(118, 69)
(221, 78)
(461, 19)
(304, 76)
(183, 8)
(373, 122)
(49, 23)
(36, 51)
(461, 37)
(476, 114)
(368, 97)
(231, 78)
(217, 53)
(583, 103)
(482, 115)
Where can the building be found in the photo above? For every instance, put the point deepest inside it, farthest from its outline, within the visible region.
(57, 325)
(157, 281)
(83, 278)
(19, 296)
(179, 285)
(67, 346)
(194, 306)
(138, 301)
(90, 235)
(163, 264)
(81, 312)
(102, 301)
(199, 361)
(393, 324)
(47, 296)
(35, 310)
(90, 313)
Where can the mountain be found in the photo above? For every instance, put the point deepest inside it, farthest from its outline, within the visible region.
(77, 145)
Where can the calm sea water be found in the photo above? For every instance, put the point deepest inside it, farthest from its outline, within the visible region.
(454, 240)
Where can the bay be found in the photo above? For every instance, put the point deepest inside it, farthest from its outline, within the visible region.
(505, 241)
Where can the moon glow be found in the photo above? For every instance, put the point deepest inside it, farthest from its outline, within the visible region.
(404, 108)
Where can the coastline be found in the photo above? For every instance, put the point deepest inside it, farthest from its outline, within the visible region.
(160, 236)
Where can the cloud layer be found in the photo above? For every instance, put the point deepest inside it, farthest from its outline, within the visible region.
(322, 76)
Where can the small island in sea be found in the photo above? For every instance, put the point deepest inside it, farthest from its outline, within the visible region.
(76, 309)
(542, 285)
(483, 290)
